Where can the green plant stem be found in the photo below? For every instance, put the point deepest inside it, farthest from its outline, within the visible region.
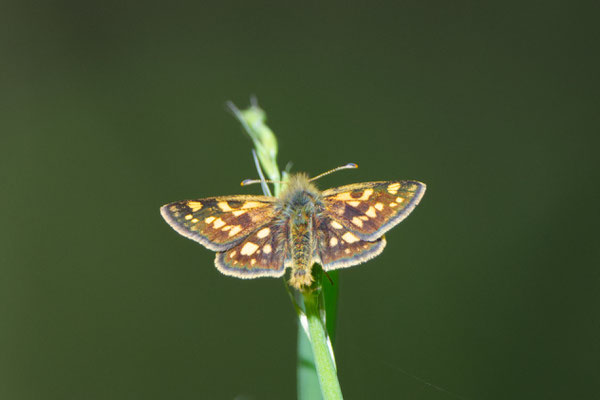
(309, 387)
(315, 377)
(330, 386)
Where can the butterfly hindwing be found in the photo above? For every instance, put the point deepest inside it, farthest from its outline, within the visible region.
(340, 248)
(370, 209)
(219, 223)
(262, 253)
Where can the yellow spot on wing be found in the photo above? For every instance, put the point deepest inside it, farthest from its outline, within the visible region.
(399, 199)
(267, 248)
(336, 225)
(252, 204)
(194, 205)
(249, 249)
(209, 220)
(366, 194)
(371, 212)
(237, 213)
(345, 196)
(235, 230)
(393, 204)
(354, 203)
(263, 233)
(333, 242)
(194, 220)
(219, 223)
(224, 206)
(357, 221)
(189, 216)
(232, 254)
(393, 187)
(379, 206)
(350, 237)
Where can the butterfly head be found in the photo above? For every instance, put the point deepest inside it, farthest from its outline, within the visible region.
(299, 190)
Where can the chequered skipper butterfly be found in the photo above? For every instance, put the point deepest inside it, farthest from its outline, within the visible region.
(257, 236)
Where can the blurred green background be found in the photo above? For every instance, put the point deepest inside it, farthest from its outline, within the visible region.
(111, 109)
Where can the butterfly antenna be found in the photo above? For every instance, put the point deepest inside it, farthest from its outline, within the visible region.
(347, 166)
(247, 182)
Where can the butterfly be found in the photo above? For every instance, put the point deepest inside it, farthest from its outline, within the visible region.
(259, 236)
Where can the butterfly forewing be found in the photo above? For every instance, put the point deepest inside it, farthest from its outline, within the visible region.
(370, 209)
(219, 223)
(262, 253)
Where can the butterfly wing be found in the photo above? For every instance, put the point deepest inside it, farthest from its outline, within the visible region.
(262, 253)
(219, 223)
(351, 229)
(340, 248)
(368, 210)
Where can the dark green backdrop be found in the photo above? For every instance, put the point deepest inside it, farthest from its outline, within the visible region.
(111, 109)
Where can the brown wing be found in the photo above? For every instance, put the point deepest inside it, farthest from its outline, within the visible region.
(262, 253)
(340, 248)
(219, 223)
(370, 209)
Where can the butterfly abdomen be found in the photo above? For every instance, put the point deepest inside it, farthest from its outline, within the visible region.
(300, 211)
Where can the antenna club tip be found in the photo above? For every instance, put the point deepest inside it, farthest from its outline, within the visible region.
(245, 182)
(351, 165)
